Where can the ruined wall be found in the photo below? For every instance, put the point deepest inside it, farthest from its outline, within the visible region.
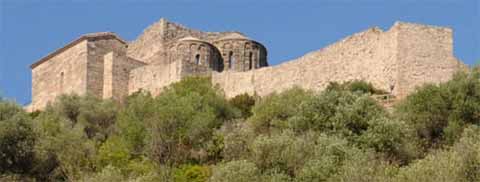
(153, 78)
(425, 55)
(64, 73)
(395, 61)
(97, 49)
(117, 67)
(355, 57)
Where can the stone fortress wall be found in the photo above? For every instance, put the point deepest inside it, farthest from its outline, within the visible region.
(396, 61)
(171, 51)
(102, 64)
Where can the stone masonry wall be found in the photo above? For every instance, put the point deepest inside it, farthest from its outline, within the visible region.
(398, 60)
(152, 45)
(96, 51)
(196, 57)
(63, 73)
(425, 55)
(242, 54)
(383, 58)
(153, 78)
(117, 67)
(355, 57)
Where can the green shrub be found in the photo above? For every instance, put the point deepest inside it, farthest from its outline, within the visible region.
(336, 111)
(64, 150)
(391, 137)
(275, 176)
(113, 152)
(459, 163)
(273, 111)
(283, 152)
(16, 139)
(235, 171)
(185, 117)
(329, 153)
(363, 166)
(34, 114)
(237, 139)
(244, 102)
(355, 86)
(96, 115)
(210, 94)
(438, 113)
(132, 121)
(192, 173)
(108, 173)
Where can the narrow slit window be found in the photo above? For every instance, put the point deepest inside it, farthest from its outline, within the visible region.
(231, 61)
(61, 80)
(197, 59)
(250, 61)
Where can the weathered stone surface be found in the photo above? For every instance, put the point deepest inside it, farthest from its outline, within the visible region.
(397, 61)
(117, 69)
(154, 78)
(102, 64)
(63, 73)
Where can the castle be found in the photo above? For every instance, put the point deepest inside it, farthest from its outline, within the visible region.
(105, 65)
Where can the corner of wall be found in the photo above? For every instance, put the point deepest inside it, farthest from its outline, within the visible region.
(108, 60)
(424, 55)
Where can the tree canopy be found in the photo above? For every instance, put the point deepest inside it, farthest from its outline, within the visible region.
(191, 132)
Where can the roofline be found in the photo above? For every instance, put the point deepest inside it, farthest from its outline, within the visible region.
(200, 41)
(91, 36)
(250, 40)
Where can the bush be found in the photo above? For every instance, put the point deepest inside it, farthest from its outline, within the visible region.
(185, 117)
(329, 153)
(96, 115)
(108, 173)
(282, 152)
(275, 176)
(365, 167)
(235, 171)
(391, 137)
(459, 163)
(336, 111)
(273, 111)
(63, 150)
(190, 132)
(244, 102)
(16, 139)
(438, 113)
(113, 152)
(192, 173)
(355, 86)
(237, 138)
(132, 121)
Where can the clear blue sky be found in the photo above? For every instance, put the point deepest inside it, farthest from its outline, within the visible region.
(30, 29)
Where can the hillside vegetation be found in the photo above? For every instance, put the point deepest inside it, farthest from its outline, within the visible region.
(191, 133)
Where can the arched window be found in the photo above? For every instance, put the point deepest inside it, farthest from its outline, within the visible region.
(197, 59)
(250, 61)
(231, 60)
